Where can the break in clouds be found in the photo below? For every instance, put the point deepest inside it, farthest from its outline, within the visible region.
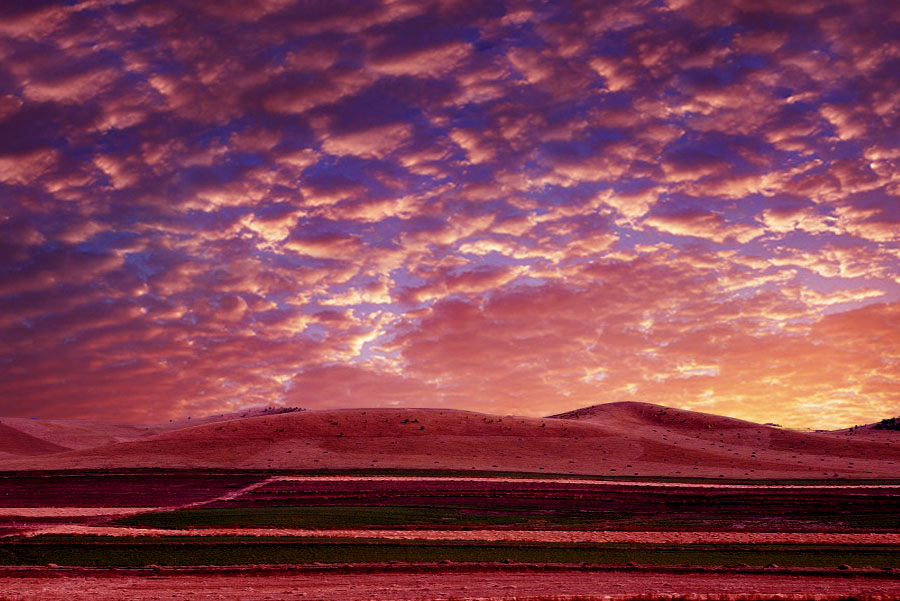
(517, 207)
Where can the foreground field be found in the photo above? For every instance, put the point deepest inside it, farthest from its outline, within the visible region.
(111, 533)
(128, 489)
(454, 535)
(465, 582)
(235, 504)
(188, 551)
(542, 504)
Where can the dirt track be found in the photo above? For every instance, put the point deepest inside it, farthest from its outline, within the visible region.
(63, 512)
(577, 481)
(482, 585)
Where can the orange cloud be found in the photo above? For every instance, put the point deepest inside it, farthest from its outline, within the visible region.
(703, 225)
(519, 209)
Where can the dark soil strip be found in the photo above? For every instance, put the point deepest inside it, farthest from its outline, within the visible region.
(135, 490)
(435, 568)
(260, 473)
(143, 552)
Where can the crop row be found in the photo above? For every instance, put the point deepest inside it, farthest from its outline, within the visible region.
(501, 516)
(131, 552)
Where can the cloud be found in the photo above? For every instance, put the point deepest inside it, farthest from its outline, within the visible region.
(372, 143)
(462, 204)
(451, 281)
(429, 61)
(789, 219)
(323, 245)
(839, 297)
(232, 308)
(309, 90)
(26, 168)
(70, 87)
(46, 269)
(699, 224)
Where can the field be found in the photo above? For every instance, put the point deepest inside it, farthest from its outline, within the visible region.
(402, 583)
(456, 528)
(222, 551)
(117, 490)
(28, 500)
(542, 504)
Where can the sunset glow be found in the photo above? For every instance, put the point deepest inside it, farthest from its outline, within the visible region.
(512, 207)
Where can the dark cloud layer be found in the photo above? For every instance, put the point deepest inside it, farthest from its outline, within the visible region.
(511, 206)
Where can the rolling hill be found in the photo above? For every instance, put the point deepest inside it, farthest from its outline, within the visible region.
(616, 439)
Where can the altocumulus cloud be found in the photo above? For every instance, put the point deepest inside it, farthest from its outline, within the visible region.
(508, 206)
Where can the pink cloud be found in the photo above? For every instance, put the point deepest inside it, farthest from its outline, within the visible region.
(703, 225)
(28, 167)
(429, 61)
(375, 142)
(512, 208)
(325, 246)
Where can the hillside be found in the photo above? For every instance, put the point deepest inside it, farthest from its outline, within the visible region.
(621, 439)
(635, 413)
(24, 436)
(15, 442)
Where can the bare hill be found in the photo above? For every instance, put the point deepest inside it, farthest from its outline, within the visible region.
(16, 442)
(73, 434)
(188, 422)
(622, 440)
(28, 437)
(635, 413)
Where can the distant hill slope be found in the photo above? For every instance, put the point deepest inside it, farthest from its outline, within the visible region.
(631, 439)
(648, 413)
(15, 442)
(886, 428)
(890, 423)
(74, 434)
(180, 424)
(53, 436)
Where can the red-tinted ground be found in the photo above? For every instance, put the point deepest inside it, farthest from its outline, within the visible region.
(621, 440)
(16, 442)
(34, 501)
(84, 434)
(599, 505)
(484, 585)
(629, 439)
(123, 490)
(87, 504)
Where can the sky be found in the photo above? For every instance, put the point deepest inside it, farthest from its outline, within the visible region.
(519, 207)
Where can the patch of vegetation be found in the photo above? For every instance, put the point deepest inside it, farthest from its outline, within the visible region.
(85, 551)
(891, 423)
(327, 517)
(352, 516)
(518, 517)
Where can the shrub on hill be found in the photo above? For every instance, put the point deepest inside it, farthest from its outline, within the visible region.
(891, 423)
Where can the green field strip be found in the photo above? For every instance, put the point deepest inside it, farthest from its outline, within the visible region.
(83, 551)
(350, 516)
(358, 516)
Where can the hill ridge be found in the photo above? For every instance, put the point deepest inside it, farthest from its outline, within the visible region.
(619, 440)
